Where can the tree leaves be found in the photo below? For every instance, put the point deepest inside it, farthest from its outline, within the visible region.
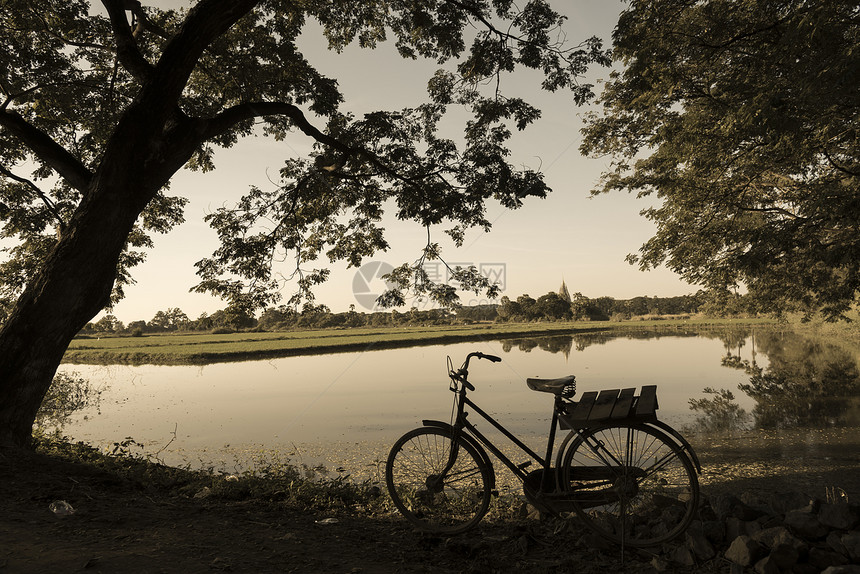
(89, 96)
(735, 115)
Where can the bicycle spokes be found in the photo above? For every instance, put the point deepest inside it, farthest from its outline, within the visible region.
(631, 483)
(437, 491)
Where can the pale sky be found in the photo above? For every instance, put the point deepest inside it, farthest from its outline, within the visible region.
(567, 236)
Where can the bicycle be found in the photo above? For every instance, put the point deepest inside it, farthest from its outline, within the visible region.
(630, 477)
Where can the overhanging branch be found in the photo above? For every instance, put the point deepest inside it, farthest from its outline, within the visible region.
(52, 207)
(47, 150)
(227, 119)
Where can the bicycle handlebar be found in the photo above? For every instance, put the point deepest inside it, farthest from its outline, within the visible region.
(491, 358)
(462, 373)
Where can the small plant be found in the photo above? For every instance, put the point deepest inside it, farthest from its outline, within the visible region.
(68, 393)
(719, 413)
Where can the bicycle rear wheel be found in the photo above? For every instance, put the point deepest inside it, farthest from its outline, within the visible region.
(630, 483)
(447, 503)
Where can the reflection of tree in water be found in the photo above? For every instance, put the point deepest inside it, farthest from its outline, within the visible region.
(733, 336)
(718, 413)
(558, 344)
(68, 393)
(808, 383)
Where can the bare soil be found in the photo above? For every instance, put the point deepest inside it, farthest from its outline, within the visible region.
(125, 523)
(121, 526)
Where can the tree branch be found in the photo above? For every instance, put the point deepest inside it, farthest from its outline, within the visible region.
(68, 166)
(126, 45)
(206, 21)
(225, 121)
(45, 199)
(231, 116)
(838, 167)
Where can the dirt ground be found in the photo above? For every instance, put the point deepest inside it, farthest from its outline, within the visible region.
(121, 527)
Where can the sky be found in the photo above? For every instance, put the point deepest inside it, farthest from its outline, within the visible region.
(569, 236)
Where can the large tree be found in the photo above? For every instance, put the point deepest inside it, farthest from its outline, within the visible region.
(741, 118)
(102, 104)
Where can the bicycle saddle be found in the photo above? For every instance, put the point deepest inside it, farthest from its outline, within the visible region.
(564, 386)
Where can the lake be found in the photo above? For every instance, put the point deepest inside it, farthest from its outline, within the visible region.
(345, 410)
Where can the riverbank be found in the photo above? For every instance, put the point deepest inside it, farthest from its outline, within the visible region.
(195, 349)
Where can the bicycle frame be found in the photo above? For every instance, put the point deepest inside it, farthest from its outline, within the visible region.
(459, 386)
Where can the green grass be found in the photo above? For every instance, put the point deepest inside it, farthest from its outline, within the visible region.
(193, 348)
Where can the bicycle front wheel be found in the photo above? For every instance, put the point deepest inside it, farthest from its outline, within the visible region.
(630, 483)
(431, 498)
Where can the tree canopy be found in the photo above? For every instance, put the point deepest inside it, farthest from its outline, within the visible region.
(73, 72)
(741, 119)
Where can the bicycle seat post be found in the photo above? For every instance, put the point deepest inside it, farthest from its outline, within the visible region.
(546, 481)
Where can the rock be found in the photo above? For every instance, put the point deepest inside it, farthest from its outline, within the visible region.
(782, 503)
(756, 502)
(734, 528)
(683, 556)
(700, 546)
(784, 556)
(840, 516)
(744, 551)
(722, 505)
(851, 542)
(726, 505)
(766, 566)
(849, 569)
(715, 531)
(834, 541)
(772, 537)
(659, 565)
(805, 523)
(825, 558)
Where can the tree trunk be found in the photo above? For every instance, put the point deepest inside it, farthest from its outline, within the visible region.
(72, 287)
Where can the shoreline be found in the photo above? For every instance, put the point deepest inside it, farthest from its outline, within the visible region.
(203, 349)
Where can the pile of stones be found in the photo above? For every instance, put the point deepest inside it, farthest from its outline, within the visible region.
(770, 534)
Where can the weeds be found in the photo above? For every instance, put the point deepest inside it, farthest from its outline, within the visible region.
(271, 480)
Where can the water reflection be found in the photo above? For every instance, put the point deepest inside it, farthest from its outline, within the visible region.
(733, 337)
(807, 383)
(804, 382)
(361, 402)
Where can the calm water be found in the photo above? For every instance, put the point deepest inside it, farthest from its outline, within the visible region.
(344, 410)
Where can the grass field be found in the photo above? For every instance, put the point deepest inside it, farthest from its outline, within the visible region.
(203, 348)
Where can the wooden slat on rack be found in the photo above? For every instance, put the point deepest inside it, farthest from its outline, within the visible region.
(623, 404)
(583, 407)
(647, 403)
(603, 406)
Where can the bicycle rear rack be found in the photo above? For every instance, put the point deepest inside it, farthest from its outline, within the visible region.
(611, 405)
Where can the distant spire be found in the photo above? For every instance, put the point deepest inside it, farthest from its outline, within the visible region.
(563, 292)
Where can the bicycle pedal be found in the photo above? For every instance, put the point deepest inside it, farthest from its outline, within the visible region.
(524, 465)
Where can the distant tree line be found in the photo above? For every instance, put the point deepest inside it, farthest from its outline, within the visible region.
(553, 306)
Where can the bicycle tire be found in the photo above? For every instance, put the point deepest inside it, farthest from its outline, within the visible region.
(451, 505)
(630, 483)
